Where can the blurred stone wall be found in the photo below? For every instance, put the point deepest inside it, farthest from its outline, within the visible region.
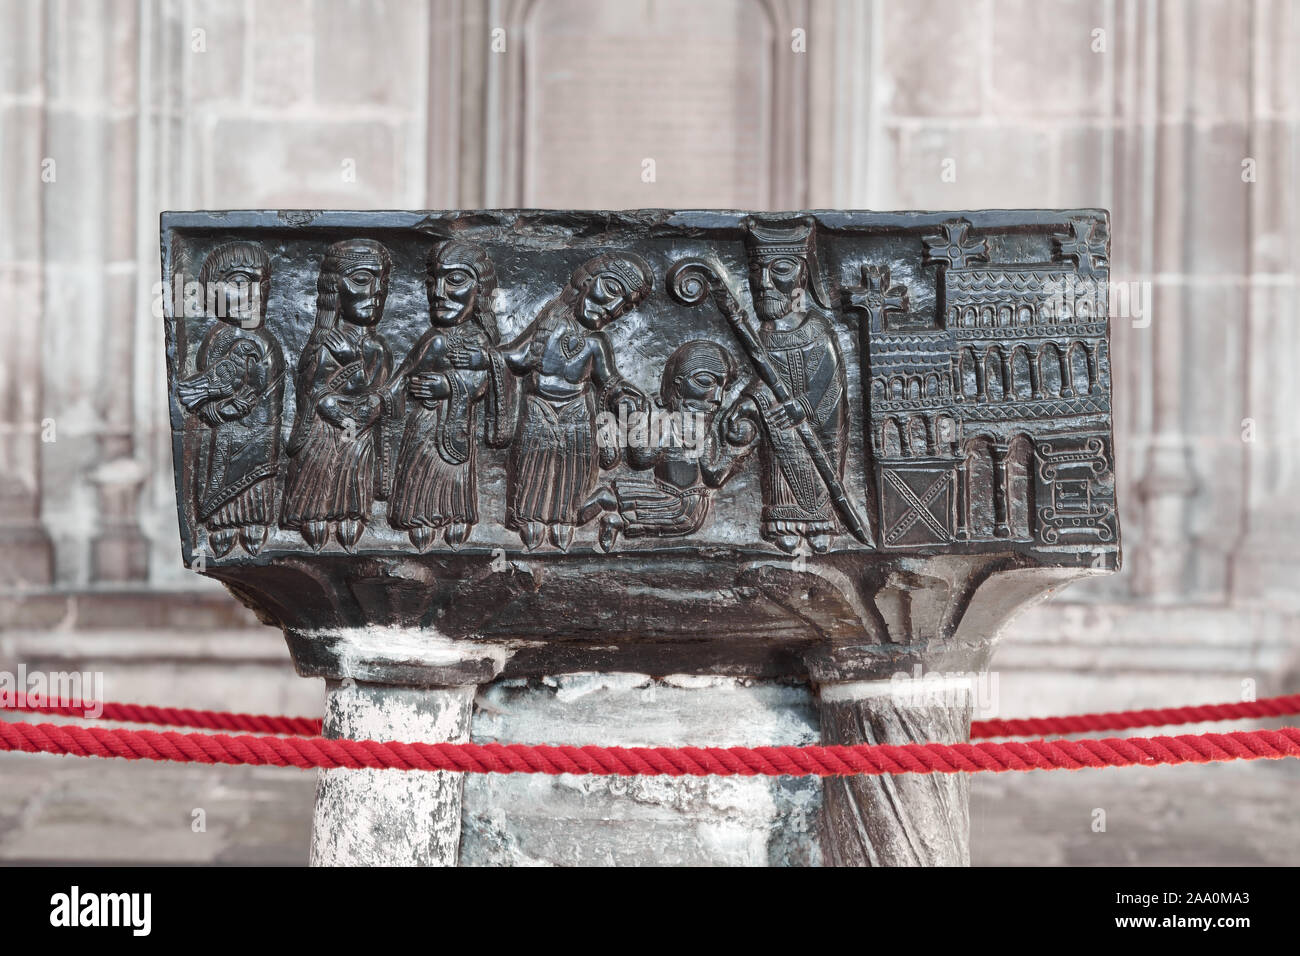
(1182, 118)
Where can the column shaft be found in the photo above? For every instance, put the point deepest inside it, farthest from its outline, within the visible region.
(904, 820)
(391, 817)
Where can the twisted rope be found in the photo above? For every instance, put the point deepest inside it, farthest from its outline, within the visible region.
(864, 759)
(1283, 706)
(177, 717)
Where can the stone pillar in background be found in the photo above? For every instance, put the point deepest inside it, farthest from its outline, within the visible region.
(1265, 566)
(90, 293)
(26, 554)
(1169, 479)
(746, 491)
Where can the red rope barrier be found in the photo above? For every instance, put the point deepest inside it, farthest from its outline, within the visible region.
(307, 752)
(1283, 706)
(179, 717)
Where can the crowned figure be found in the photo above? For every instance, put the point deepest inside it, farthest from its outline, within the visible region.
(796, 331)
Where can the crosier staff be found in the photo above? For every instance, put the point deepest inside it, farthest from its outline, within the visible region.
(689, 281)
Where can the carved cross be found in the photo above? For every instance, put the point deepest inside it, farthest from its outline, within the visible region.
(875, 298)
(1084, 245)
(953, 247)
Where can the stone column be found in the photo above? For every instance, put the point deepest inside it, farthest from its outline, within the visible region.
(1169, 477)
(1265, 567)
(903, 820)
(391, 817)
(26, 555)
(1001, 509)
(89, 287)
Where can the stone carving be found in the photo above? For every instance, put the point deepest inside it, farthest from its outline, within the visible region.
(482, 424)
(688, 455)
(931, 450)
(1075, 490)
(876, 298)
(1017, 355)
(958, 398)
(799, 400)
(452, 369)
(336, 456)
(570, 372)
(237, 390)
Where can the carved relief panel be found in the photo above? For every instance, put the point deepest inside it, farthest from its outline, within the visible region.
(530, 381)
(727, 437)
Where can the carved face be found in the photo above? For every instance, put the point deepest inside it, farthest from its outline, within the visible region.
(236, 295)
(453, 293)
(362, 289)
(775, 283)
(605, 300)
(698, 390)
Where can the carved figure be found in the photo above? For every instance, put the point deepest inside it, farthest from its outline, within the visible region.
(237, 390)
(689, 458)
(336, 467)
(570, 372)
(798, 340)
(453, 368)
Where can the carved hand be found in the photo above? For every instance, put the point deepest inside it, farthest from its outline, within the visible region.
(629, 394)
(340, 346)
(428, 386)
(740, 423)
(217, 382)
(723, 299)
(609, 456)
(788, 414)
(467, 358)
(333, 410)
